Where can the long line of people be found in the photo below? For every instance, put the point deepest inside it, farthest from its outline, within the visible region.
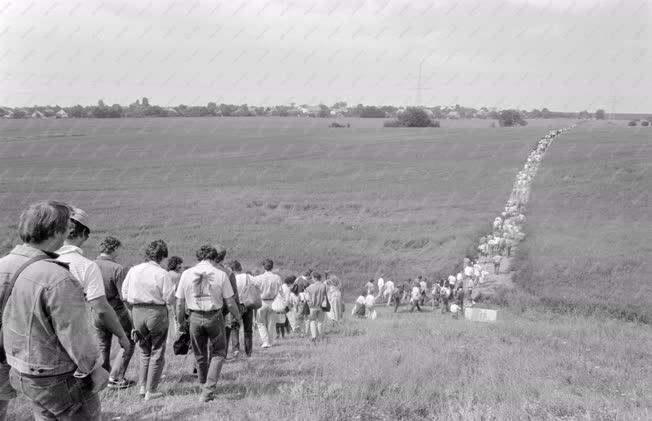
(457, 291)
(61, 310)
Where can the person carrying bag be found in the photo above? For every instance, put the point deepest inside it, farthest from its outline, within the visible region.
(250, 295)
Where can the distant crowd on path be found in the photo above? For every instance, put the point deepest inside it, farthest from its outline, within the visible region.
(61, 310)
(456, 292)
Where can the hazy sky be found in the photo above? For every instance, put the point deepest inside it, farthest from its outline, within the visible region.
(566, 55)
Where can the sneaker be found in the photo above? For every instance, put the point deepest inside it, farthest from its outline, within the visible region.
(265, 345)
(206, 397)
(153, 395)
(141, 392)
(120, 384)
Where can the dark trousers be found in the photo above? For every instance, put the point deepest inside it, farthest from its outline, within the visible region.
(397, 302)
(61, 397)
(105, 337)
(151, 324)
(413, 304)
(280, 330)
(233, 331)
(208, 340)
(3, 409)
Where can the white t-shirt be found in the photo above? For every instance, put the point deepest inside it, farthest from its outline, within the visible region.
(381, 283)
(148, 283)
(389, 287)
(241, 279)
(213, 289)
(369, 301)
(86, 271)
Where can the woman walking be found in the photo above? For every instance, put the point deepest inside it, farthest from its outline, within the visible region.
(148, 290)
(334, 294)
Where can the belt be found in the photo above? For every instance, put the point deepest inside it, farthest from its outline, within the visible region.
(267, 299)
(148, 305)
(206, 312)
(34, 376)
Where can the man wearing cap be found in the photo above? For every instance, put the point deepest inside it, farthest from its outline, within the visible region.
(89, 275)
(204, 290)
(113, 275)
(49, 344)
(269, 284)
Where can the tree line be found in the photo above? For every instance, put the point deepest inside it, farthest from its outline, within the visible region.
(143, 108)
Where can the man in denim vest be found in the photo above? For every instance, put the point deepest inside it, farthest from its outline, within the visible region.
(52, 351)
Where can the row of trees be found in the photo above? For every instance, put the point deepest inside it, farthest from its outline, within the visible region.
(143, 108)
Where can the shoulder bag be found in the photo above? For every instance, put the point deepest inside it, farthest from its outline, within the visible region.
(250, 295)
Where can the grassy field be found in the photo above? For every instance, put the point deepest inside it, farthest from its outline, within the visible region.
(589, 227)
(358, 201)
(362, 201)
(412, 366)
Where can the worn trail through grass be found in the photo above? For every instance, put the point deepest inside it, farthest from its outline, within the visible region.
(514, 215)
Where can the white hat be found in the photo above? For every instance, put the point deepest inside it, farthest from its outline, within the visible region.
(81, 217)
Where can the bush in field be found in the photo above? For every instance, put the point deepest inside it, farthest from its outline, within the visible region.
(414, 117)
(509, 118)
(645, 123)
(414, 120)
(632, 123)
(599, 114)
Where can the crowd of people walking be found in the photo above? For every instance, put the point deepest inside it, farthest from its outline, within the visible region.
(457, 290)
(61, 310)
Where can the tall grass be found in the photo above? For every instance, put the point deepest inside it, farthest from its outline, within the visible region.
(589, 225)
(536, 365)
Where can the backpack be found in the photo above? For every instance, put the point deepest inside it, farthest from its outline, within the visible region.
(279, 304)
(304, 308)
(250, 295)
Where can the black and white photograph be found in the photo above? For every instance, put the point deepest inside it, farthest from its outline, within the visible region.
(396, 210)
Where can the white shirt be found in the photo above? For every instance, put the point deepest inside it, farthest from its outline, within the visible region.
(148, 283)
(86, 271)
(389, 287)
(269, 284)
(241, 280)
(416, 293)
(468, 271)
(213, 288)
(369, 301)
(381, 283)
